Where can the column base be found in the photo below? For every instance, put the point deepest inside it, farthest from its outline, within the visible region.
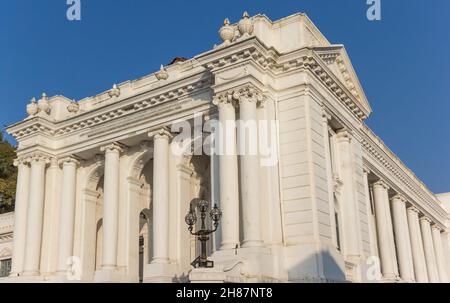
(207, 275)
(106, 275)
(159, 273)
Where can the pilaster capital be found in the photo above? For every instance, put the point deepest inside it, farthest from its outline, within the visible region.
(326, 116)
(247, 93)
(344, 135)
(70, 160)
(113, 147)
(366, 170)
(380, 183)
(162, 133)
(425, 219)
(399, 198)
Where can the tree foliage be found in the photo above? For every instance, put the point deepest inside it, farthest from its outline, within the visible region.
(8, 175)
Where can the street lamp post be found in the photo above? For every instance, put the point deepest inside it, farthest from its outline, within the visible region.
(203, 233)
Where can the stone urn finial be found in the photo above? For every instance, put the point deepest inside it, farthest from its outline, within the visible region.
(114, 91)
(32, 108)
(73, 107)
(245, 25)
(162, 74)
(227, 32)
(43, 104)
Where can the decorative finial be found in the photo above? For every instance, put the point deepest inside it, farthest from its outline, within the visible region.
(114, 92)
(32, 108)
(245, 25)
(43, 104)
(162, 74)
(73, 107)
(227, 32)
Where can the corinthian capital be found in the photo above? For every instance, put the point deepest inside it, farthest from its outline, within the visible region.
(113, 147)
(38, 157)
(21, 161)
(247, 93)
(69, 160)
(160, 133)
(380, 183)
(398, 198)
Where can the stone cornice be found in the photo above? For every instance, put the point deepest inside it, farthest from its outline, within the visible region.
(269, 59)
(162, 94)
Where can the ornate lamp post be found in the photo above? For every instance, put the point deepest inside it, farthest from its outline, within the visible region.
(202, 234)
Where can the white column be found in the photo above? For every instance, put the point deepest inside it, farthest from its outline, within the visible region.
(67, 213)
(385, 231)
(249, 170)
(370, 217)
(433, 275)
(160, 191)
(439, 253)
(420, 266)
(35, 215)
(228, 171)
(349, 209)
(111, 205)
(20, 216)
(402, 238)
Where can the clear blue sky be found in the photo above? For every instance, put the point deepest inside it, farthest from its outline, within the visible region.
(403, 61)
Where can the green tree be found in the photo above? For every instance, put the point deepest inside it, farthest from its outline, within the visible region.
(8, 175)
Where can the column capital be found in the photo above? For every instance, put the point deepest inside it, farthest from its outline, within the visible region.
(413, 209)
(163, 132)
(38, 157)
(69, 160)
(113, 147)
(399, 198)
(380, 183)
(436, 227)
(425, 219)
(21, 161)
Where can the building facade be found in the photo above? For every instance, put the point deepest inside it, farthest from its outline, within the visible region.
(104, 183)
(6, 243)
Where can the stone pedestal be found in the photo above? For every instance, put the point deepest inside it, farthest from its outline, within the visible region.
(207, 275)
(159, 273)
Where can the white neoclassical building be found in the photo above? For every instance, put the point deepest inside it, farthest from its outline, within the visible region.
(104, 183)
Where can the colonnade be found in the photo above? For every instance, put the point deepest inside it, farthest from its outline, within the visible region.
(409, 242)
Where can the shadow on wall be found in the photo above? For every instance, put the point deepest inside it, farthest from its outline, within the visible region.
(320, 267)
